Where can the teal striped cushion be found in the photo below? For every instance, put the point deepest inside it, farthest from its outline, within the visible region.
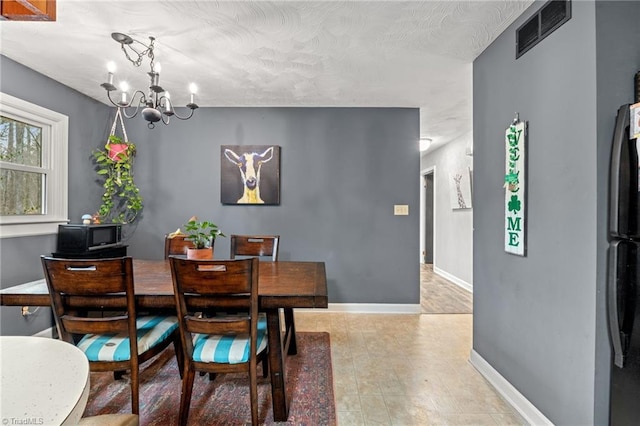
(115, 347)
(228, 349)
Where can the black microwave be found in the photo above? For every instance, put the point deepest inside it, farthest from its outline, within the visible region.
(84, 238)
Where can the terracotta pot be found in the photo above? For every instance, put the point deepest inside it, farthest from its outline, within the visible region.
(118, 151)
(200, 254)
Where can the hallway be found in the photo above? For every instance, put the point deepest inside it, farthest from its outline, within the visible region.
(440, 296)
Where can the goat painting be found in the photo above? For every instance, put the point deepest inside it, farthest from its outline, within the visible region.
(250, 174)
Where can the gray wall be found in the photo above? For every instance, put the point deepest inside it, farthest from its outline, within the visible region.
(342, 170)
(538, 319)
(19, 257)
(453, 228)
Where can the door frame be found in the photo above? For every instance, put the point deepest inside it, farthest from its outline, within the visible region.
(423, 172)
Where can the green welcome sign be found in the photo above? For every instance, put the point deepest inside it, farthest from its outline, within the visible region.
(515, 189)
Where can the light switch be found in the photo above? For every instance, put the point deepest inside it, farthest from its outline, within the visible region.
(401, 210)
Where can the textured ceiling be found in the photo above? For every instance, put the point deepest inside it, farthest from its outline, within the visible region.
(284, 53)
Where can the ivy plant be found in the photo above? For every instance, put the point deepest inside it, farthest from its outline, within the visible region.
(121, 200)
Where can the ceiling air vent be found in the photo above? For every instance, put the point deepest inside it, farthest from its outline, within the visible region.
(549, 18)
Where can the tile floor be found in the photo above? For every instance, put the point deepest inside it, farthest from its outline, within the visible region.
(407, 370)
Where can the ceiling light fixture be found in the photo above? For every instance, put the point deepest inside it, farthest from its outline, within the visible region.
(156, 104)
(425, 143)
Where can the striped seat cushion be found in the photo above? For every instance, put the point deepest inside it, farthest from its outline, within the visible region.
(115, 347)
(228, 349)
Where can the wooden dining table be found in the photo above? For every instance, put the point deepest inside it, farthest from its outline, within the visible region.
(282, 284)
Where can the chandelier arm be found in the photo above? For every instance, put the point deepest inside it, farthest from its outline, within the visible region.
(135, 112)
(168, 119)
(175, 114)
(130, 104)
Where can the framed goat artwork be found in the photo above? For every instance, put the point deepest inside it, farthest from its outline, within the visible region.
(250, 174)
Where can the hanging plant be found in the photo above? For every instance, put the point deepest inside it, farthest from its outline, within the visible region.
(121, 201)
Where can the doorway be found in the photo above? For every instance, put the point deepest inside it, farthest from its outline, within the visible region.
(438, 295)
(428, 189)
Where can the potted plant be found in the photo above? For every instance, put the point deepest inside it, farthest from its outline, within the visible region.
(203, 236)
(121, 201)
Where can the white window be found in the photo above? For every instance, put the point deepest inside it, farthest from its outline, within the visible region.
(33, 168)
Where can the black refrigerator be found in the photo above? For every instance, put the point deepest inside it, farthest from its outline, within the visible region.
(623, 281)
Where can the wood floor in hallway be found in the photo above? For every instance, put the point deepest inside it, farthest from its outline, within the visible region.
(440, 296)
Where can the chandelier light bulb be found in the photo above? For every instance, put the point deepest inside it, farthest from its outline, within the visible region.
(193, 89)
(167, 102)
(108, 85)
(124, 86)
(157, 67)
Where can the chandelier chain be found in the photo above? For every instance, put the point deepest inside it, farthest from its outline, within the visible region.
(147, 52)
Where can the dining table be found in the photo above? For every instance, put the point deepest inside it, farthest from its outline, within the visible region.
(281, 284)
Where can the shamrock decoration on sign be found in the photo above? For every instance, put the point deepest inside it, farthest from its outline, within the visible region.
(514, 204)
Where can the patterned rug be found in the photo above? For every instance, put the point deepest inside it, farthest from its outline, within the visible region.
(224, 401)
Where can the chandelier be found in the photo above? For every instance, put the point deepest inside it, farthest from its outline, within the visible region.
(156, 104)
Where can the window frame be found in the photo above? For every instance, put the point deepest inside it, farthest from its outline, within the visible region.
(55, 151)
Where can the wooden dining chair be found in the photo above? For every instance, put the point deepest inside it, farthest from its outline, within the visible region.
(219, 343)
(255, 245)
(265, 246)
(177, 244)
(114, 339)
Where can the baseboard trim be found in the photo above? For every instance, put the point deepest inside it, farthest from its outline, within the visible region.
(527, 410)
(368, 308)
(457, 281)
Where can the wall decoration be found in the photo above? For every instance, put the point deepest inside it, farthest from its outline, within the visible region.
(250, 174)
(460, 190)
(634, 128)
(515, 188)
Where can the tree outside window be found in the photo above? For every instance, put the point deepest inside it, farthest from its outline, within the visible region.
(22, 177)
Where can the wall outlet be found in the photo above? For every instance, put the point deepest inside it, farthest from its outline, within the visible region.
(401, 210)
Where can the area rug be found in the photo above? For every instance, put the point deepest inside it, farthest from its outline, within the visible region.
(224, 401)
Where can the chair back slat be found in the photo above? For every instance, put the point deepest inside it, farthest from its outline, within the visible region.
(213, 277)
(218, 325)
(88, 277)
(83, 325)
(255, 245)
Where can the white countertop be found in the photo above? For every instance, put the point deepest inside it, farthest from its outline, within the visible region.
(44, 381)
